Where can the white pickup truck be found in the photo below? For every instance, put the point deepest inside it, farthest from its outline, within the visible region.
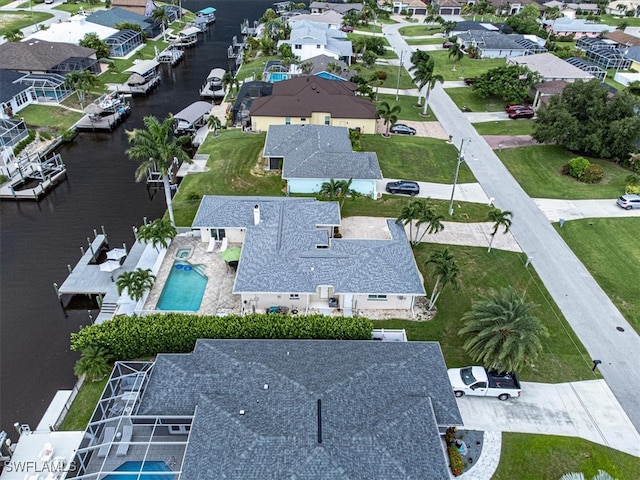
(478, 382)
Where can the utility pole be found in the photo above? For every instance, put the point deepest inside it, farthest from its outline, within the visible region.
(399, 68)
(455, 178)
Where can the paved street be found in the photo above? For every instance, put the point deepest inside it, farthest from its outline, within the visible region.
(594, 318)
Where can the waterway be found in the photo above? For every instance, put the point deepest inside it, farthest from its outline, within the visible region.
(39, 240)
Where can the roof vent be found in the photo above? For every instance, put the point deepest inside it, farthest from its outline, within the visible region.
(266, 386)
(241, 412)
(256, 214)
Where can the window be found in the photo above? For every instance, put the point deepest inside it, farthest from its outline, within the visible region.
(317, 46)
(297, 47)
(294, 296)
(377, 297)
(327, 120)
(287, 120)
(303, 119)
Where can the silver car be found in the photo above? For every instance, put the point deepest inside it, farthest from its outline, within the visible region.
(629, 201)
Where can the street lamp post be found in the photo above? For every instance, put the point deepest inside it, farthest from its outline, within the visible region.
(399, 68)
(455, 178)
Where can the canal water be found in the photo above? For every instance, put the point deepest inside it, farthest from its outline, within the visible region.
(39, 240)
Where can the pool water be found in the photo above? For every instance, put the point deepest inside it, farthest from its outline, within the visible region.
(184, 288)
(277, 77)
(184, 253)
(155, 470)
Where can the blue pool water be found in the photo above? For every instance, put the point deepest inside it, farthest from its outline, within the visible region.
(277, 77)
(143, 471)
(184, 288)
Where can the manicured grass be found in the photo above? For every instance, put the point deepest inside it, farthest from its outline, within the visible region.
(462, 96)
(409, 110)
(420, 30)
(613, 20)
(236, 168)
(391, 205)
(254, 67)
(425, 41)
(466, 67)
(369, 28)
(416, 158)
(508, 127)
(83, 406)
(534, 457)
(53, 117)
(406, 82)
(563, 358)
(18, 19)
(608, 247)
(75, 7)
(388, 54)
(537, 169)
(352, 36)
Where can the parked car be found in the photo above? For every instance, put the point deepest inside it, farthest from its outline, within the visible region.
(629, 201)
(522, 113)
(347, 28)
(403, 186)
(478, 382)
(48, 2)
(402, 129)
(447, 44)
(515, 106)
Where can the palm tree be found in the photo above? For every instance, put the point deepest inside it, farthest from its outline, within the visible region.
(214, 123)
(601, 475)
(82, 82)
(158, 232)
(499, 218)
(160, 15)
(409, 213)
(501, 331)
(389, 115)
(228, 82)
(14, 35)
(156, 148)
(338, 190)
(135, 283)
(425, 78)
(93, 363)
(444, 268)
(457, 53)
(432, 220)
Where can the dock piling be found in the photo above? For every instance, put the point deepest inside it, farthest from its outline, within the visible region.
(55, 287)
(93, 254)
(82, 251)
(95, 233)
(69, 268)
(103, 232)
(124, 245)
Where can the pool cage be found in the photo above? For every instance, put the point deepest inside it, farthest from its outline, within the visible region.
(588, 67)
(123, 42)
(77, 64)
(275, 71)
(47, 87)
(119, 441)
(609, 58)
(11, 133)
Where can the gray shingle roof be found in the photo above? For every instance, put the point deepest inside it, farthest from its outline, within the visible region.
(9, 87)
(487, 40)
(112, 16)
(39, 55)
(381, 405)
(280, 255)
(319, 151)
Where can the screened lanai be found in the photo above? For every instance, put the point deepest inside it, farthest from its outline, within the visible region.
(11, 133)
(47, 86)
(588, 67)
(77, 64)
(123, 42)
(609, 58)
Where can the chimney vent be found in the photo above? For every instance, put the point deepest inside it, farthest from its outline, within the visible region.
(256, 214)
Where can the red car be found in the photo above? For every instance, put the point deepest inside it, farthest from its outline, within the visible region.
(347, 29)
(514, 107)
(524, 112)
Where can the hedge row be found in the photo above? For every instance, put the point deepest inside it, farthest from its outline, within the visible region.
(128, 338)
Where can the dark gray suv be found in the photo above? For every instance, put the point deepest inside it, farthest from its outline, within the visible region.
(403, 186)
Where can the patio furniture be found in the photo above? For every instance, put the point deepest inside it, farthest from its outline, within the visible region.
(107, 438)
(224, 245)
(123, 448)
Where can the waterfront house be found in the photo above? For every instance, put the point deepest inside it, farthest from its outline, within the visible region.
(309, 39)
(40, 56)
(256, 409)
(314, 100)
(310, 155)
(14, 95)
(244, 100)
(291, 256)
(341, 8)
(115, 16)
(141, 7)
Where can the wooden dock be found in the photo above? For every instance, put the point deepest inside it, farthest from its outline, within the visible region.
(103, 123)
(143, 89)
(34, 177)
(86, 278)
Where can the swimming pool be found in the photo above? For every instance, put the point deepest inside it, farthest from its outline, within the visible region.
(184, 288)
(155, 470)
(278, 77)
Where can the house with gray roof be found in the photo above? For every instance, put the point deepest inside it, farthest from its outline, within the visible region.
(327, 67)
(117, 15)
(309, 39)
(275, 409)
(40, 56)
(310, 155)
(551, 67)
(14, 95)
(577, 28)
(341, 8)
(492, 44)
(292, 257)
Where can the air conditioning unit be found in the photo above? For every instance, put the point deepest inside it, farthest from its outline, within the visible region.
(400, 297)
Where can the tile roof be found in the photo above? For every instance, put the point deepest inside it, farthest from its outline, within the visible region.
(550, 66)
(319, 151)
(280, 254)
(301, 96)
(39, 55)
(381, 404)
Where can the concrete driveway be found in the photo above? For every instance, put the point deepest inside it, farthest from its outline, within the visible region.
(586, 409)
(465, 192)
(431, 129)
(554, 209)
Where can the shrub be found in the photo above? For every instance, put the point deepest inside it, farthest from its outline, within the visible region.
(133, 337)
(24, 142)
(68, 135)
(577, 166)
(592, 174)
(564, 170)
(632, 189)
(450, 435)
(381, 74)
(455, 460)
(3, 179)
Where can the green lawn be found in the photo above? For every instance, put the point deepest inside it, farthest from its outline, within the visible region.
(369, 28)
(425, 41)
(409, 110)
(75, 7)
(352, 36)
(18, 19)
(608, 247)
(391, 205)
(563, 358)
(537, 169)
(420, 30)
(465, 96)
(254, 67)
(53, 117)
(534, 457)
(466, 67)
(389, 54)
(507, 127)
(406, 82)
(416, 158)
(83, 406)
(614, 20)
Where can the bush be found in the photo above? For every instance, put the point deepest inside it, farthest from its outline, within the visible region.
(68, 135)
(23, 143)
(577, 166)
(564, 170)
(455, 460)
(381, 74)
(126, 338)
(3, 179)
(632, 189)
(592, 174)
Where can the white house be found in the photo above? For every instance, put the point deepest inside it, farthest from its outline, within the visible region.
(310, 39)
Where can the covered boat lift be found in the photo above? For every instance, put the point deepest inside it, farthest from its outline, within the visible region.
(212, 87)
(208, 13)
(187, 37)
(188, 120)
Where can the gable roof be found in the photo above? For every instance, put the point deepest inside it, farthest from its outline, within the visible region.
(39, 55)
(376, 405)
(301, 96)
(330, 17)
(112, 16)
(341, 8)
(9, 87)
(281, 253)
(319, 151)
(321, 62)
(475, 26)
(623, 38)
(307, 32)
(550, 88)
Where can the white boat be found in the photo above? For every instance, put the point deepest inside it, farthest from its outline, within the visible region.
(110, 102)
(208, 13)
(213, 84)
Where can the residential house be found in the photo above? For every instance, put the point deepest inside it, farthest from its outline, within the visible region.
(40, 56)
(14, 95)
(633, 54)
(577, 28)
(551, 67)
(450, 7)
(410, 7)
(497, 45)
(327, 67)
(290, 256)
(12, 132)
(468, 26)
(310, 155)
(341, 8)
(621, 8)
(257, 409)
(309, 39)
(543, 91)
(115, 16)
(330, 18)
(504, 7)
(314, 100)
(141, 7)
(71, 31)
(249, 91)
(604, 52)
(625, 78)
(623, 40)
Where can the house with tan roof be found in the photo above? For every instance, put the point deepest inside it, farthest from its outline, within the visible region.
(316, 101)
(142, 7)
(621, 8)
(551, 67)
(622, 39)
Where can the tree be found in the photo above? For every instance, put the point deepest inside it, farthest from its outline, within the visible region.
(82, 82)
(369, 59)
(135, 282)
(457, 53)
(443, 267)
(14, 35)
(228, 82)
(500, 218)
(426, 79)
(601, 475)
(338, 190)
(159, 15)
(408, 215)
(511, 83)
(214, 123)
(92, 40)
(158, 232)
(420, 212)
(526, 22)
(156, 148)
(501, 332)
(389, 115)
(93, 363)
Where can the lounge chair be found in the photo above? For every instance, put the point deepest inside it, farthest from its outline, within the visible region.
(212, 245)
(123, 448)
(107, 438)
(224, 245)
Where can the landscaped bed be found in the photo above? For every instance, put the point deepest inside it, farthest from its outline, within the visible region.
(408, 105)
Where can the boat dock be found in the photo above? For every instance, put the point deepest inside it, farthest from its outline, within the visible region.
(33, 177)
(103, 123)
(144, 78)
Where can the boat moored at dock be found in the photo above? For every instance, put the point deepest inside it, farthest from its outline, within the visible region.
(208, 13)
(187, 37)
(212, 87)
(144, 78)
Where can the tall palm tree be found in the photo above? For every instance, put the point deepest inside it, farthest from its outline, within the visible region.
(93, 363)
(158, 232)
(229, 81)
(155, 147)
(408, 214)
(389, 115)
(501, 331)
(432, 220)
(82, 82)
(426, 79)
(214, 123)
(500, 218)
(444, 268)
(457, 53)
(160, 15)
(135, 283)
